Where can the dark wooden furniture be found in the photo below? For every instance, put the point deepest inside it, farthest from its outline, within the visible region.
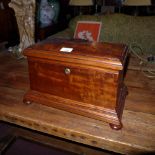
(58, 146)
(136, 137)
(87, 81)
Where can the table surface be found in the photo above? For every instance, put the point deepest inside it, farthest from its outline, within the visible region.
(136, 136)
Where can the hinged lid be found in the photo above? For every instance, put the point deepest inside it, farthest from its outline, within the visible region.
(107, 55)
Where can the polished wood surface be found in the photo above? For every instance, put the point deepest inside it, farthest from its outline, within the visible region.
(93, 88)
(137, 136)
(107, 55)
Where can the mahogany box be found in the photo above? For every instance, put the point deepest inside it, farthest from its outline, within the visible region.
(80, 77)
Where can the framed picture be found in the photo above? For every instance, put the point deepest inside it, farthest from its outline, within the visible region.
(88, 30)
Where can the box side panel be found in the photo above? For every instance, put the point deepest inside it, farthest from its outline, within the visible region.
(83, 84)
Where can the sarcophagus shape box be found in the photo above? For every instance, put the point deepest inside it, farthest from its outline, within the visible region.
(79, 77)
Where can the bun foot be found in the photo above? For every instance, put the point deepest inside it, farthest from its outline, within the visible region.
(26, 102)
(116, 127)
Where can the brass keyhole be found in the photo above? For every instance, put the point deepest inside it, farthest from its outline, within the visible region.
(67, 71)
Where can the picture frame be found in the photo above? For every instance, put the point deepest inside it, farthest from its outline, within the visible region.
(88, 30)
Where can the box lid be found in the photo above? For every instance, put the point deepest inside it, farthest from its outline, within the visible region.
(96, 54)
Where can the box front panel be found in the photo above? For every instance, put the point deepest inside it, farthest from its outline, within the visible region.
(83, 84)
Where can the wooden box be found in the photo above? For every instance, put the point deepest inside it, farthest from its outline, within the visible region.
(87, 81)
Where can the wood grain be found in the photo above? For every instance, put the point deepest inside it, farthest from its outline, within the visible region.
(16, 132)
(87, 81)
(137, 135)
